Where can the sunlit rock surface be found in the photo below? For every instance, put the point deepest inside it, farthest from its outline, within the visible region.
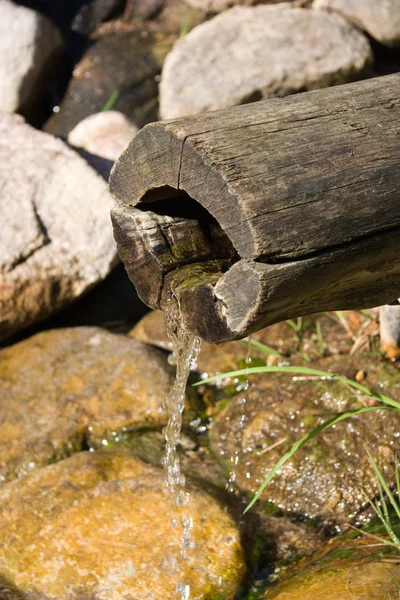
(380, 18)
(56, 241)
(98, 525)
(29, 45)
(352, 566)
(326, 477)
(249, 53)
(66, 389)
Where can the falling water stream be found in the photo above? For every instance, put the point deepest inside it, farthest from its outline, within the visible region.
(186, 347)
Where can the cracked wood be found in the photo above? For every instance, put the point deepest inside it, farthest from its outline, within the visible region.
(306, 185)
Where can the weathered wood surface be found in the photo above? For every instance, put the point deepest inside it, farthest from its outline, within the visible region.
(266, 211)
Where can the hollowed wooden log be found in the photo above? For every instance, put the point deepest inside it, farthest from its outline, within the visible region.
(267, 211)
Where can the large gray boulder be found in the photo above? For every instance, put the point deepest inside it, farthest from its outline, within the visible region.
(380, 18)
(29, 43)
(251, 53)
(56, 240)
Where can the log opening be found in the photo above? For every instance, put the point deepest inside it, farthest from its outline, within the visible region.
(266, 211)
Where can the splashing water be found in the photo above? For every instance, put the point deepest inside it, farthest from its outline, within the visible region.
(235, 457)
(186, 347)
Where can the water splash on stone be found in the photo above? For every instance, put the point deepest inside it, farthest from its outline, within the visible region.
(186, 347)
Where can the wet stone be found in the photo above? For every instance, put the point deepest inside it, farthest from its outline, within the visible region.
(325, 478)
(98, 525)
(347, 567)
(64, 390)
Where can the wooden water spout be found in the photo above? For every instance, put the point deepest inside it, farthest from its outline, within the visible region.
(266, 211)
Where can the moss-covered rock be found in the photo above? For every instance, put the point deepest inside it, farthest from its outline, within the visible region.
(347, 567)
(99, 525)
(64, 390)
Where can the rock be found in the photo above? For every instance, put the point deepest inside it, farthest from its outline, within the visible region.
(54, 246)
(143, 9)
(389, 319)
(68, 389)
(30, 46)
(216, 6)
(247, 54)
(58, 11)
(91, 14)
(117, 70)
(106, 134)
(101, 139)
(98, 525)
(327, 476)
(112, 304)
(380, 19)
(347, 567)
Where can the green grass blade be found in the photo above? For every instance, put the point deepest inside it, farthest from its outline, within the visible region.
(262, 347)
(351, 592)
(320, 338)
(307, 437)
(186, 25)
(294, 325)
(305, 371)
(111, 101)
(383, 483)
(385, 520)
(396, 583)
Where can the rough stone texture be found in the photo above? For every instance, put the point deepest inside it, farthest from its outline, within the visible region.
(106, 134)
(29, 44)
(216, 6)
(326, 477)
(56, 240)
(65, 389)
(98, 525)
(346, 564)
(380, 18)
(335, 338)
(248, 54)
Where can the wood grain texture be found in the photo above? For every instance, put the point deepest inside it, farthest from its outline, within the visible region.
(299, 197)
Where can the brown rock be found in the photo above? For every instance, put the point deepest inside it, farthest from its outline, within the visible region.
(347, 567)
(66, 389)
(327, 476)
(98, 525)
